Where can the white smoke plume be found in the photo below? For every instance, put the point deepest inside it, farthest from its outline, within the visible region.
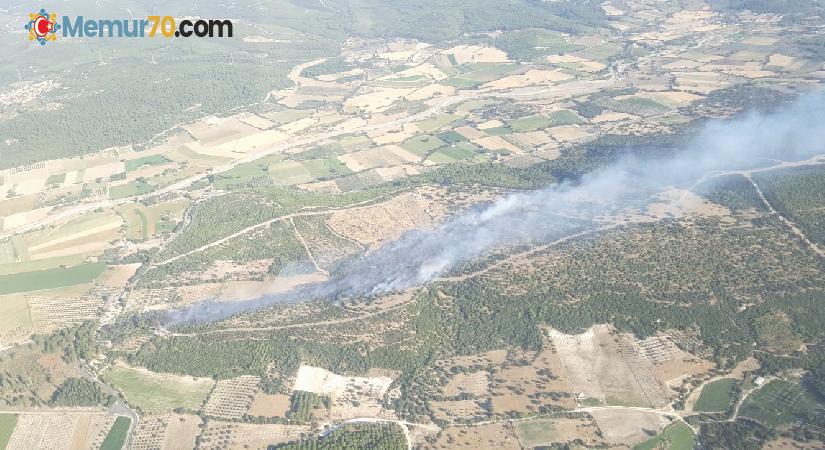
(794, 132)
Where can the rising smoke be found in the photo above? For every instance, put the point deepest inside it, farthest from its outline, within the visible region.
(792, 133)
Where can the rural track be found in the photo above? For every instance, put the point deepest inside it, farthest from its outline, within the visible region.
(748, 175)
(289, 217)
(791, 225)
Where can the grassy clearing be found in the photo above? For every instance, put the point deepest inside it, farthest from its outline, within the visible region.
(138, 187)
(601, 52)
(498, 131)
(116, 438)
(530, 123)
(715, 396)
(153, 160)
(144, 225)
(14, 313)
(326, 168)
(50, 278)
(451, 154)
(423, 145)
(779, 402)
(462, 82)
(451, 137)
(135, 226)
(288, 115)
(41, 264)
(144, 222)
(240, 175)
(536, 432)
(677, 436)
(159, 392)
(436, 122)
(526, 45)
(58, 178)
(7, 423)
(289, 172)
(634, 105)
(564, 117)
(486, 71)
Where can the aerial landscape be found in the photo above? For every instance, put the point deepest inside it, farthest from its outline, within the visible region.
(397, 224)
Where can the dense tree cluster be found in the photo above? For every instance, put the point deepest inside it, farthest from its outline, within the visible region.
(75, 342)
(79, 392)
(356, 436)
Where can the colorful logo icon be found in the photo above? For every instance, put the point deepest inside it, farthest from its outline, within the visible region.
(42, 27)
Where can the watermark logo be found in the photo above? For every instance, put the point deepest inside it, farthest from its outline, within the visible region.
(42, 27)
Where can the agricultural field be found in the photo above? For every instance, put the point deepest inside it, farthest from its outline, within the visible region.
(15, 316)
(85, 429)
(154, 392)
(677, 436)
(716, 396)
(231, 399)
(780, 402)
(143, 223)
(475, 224)
(7, 424)
(561, 430)
(219, 435)
(50, 278)
(116, 438)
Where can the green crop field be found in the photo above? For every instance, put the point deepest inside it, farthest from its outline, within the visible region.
(326, 168)
(41, 264)
(130, 189)
(116, 438)
(50, 278)
(677, 436)
(157, 392)
(715, 396)
(436, 122)
(461, 82)
(634, 105)
(241, 174)
(152, 160)
(451, 137)
(530, 123)
(7, 423)
(564, 117)
(451, 154)
(423, 145)
(779, 402)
